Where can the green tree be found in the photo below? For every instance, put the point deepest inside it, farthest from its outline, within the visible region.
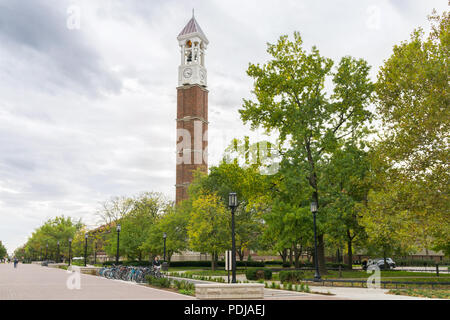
(209, 226)
(141, 213)
(3, 251)
(413, 151)
(346, 181)
(291, 100)
(174, 223)
(290, 227)
(53, 230)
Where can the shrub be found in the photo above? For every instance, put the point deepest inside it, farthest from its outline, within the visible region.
(274, 262)
(415, 263)
(257, 274)
(159, 282)
(291, 276)
(187, 292)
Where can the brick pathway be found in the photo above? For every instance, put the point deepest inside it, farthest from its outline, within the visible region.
(31, 282)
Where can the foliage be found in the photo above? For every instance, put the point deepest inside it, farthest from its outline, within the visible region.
(159, 282)
(53, 230)
(290, 100)
(3, 251)
(250, 187)
(209, 225)
(427, 293)
(141, 214)
(291, 276)
(412, 155)
(258, 273)
(174, 223)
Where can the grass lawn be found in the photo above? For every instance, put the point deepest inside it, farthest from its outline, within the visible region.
(428, 293)
(387, 275)
(210, 273)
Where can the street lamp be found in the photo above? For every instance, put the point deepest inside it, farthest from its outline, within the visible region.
(164, 237)
(119, 228)
(57, 257)
(46, 248)
(314, 211)
(85, 248)
(70, 250)
(232, 203)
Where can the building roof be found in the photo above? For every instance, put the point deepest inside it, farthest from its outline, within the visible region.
(192, 28)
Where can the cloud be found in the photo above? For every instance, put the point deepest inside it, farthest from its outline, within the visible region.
(58, 57)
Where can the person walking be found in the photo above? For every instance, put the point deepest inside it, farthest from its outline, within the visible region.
(15, 262)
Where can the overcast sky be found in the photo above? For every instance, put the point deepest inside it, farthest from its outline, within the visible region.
(89, 113)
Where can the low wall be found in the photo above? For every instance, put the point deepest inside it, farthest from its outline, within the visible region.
(229, 291)
(87, 270)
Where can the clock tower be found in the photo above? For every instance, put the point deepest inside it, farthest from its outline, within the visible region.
(192, 107)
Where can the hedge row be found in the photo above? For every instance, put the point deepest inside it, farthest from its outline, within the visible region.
(417, 263)
(199, 264)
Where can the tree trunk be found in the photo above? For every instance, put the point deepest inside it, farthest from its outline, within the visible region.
(283, 255)
(213, 261)
(321, 254)
(291, 258)
(350, 254)
(240, 253)
(297, 254)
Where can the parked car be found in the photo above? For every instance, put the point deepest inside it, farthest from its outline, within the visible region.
(380, 263)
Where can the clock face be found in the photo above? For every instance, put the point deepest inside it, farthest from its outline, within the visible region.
(202, 75)
(187, 73)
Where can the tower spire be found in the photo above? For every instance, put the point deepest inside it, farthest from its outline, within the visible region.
(193, 13)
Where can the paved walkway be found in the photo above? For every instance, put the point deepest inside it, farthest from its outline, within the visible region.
(33, 282)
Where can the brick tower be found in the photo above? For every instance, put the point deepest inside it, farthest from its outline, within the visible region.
(192, 107)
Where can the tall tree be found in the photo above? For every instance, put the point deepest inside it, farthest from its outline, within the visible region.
(209, 226)
(413, 152)
(291, 100)
(346, 181)
(250, 187)
(174, 223)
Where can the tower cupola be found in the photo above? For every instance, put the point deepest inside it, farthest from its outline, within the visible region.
(193, 44)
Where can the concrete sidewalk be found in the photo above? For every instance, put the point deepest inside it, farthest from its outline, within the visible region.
(33, 282)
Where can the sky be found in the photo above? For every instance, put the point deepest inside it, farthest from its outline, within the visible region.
(88, 88)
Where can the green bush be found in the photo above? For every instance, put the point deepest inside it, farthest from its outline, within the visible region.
(258, 273)
(416, 263)
(184, 285)
(159, 282)
(291, 276)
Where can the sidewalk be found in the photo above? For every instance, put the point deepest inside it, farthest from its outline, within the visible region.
(33, 282)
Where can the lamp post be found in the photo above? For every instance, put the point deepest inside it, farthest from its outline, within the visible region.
(57, 256)
(85, 248)
(164, 237)
(70, 250)
(232, 203)
(118, 229)
(46, 248)
(95, 253)
(314, 211)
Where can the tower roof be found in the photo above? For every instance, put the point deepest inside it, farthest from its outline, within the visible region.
(192, 28)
